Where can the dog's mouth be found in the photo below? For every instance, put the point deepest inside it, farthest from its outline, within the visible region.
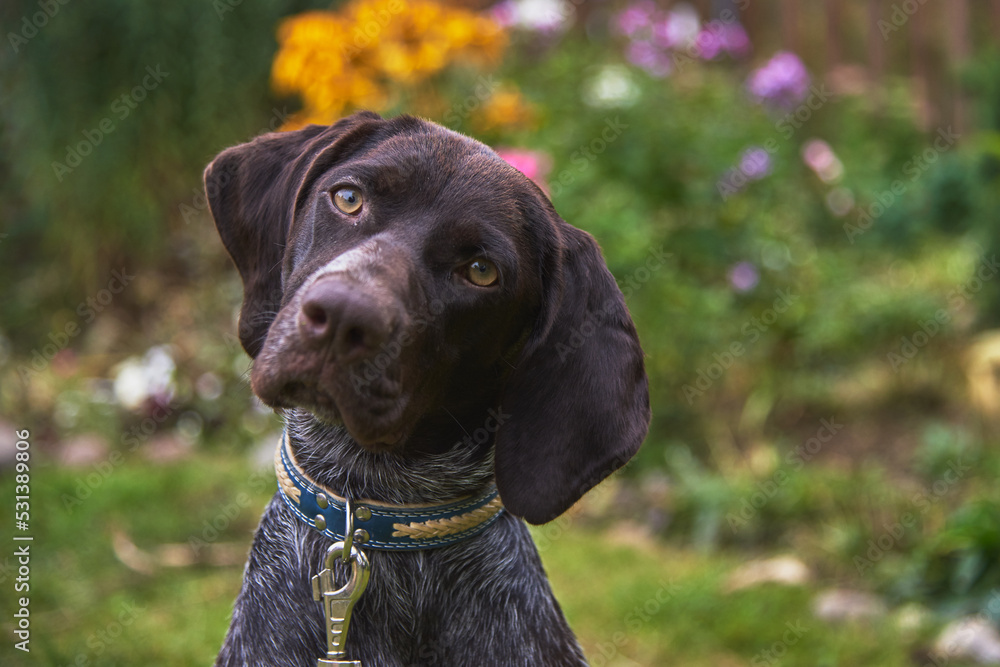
(371, 406)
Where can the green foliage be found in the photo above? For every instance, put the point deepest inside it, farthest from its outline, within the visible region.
(99, 154)
(835, 296)
(958, 568)
(941, 448)
(866, 291)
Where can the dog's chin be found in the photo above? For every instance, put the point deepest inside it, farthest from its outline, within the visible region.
(375, 423)
(375, 434)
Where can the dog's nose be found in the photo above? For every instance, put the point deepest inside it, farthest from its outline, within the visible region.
(337, 313)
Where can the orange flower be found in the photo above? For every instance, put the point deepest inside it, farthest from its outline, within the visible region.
(505, 108)
(368, 52)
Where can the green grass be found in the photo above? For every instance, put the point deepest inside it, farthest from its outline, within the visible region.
(637, 603)
(87, 607)
(666, 606)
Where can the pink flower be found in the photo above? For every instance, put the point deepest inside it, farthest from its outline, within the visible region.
(533, 164)
(819, 157)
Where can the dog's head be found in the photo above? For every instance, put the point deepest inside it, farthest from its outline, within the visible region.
(403, 280)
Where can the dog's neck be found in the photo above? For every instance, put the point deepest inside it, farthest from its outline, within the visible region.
(329, 455)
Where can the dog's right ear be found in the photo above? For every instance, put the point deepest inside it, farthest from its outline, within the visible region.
(251, 190)
(578, 396)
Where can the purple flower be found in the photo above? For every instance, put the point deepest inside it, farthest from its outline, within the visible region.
(709, 44)
(755, 163)
(783, 82)
(735, 40)
(717, 38)
(504, 13)
(743, 276)
(660, 31)
(636, 17)
(643, 54)
(654, 35)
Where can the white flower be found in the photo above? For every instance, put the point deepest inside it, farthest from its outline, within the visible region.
(611, 87)
(151, 376)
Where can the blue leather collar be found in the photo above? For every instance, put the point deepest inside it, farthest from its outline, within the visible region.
(391, 527)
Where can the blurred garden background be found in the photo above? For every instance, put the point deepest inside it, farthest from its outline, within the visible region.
(799, 201)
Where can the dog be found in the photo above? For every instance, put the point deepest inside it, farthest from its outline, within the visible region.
(429, 327)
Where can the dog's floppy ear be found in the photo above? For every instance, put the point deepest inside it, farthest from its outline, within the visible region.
(578, 399)
(251, 190)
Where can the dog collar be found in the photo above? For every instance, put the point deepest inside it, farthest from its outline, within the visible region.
(380, 526)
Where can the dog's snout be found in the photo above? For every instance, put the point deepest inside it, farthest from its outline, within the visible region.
(336, 313)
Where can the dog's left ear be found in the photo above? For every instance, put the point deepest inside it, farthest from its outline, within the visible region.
(251, 190)
(579, 399)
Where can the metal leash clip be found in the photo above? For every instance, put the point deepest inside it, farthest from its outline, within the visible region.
(338, 603)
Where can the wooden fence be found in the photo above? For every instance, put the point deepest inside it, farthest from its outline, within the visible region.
(864, 42)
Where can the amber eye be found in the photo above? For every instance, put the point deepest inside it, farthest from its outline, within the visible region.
(482, 272)
(347, 200)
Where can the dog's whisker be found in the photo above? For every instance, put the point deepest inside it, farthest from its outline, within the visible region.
(456, 421)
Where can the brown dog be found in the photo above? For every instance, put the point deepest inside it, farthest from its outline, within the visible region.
(429, 326)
